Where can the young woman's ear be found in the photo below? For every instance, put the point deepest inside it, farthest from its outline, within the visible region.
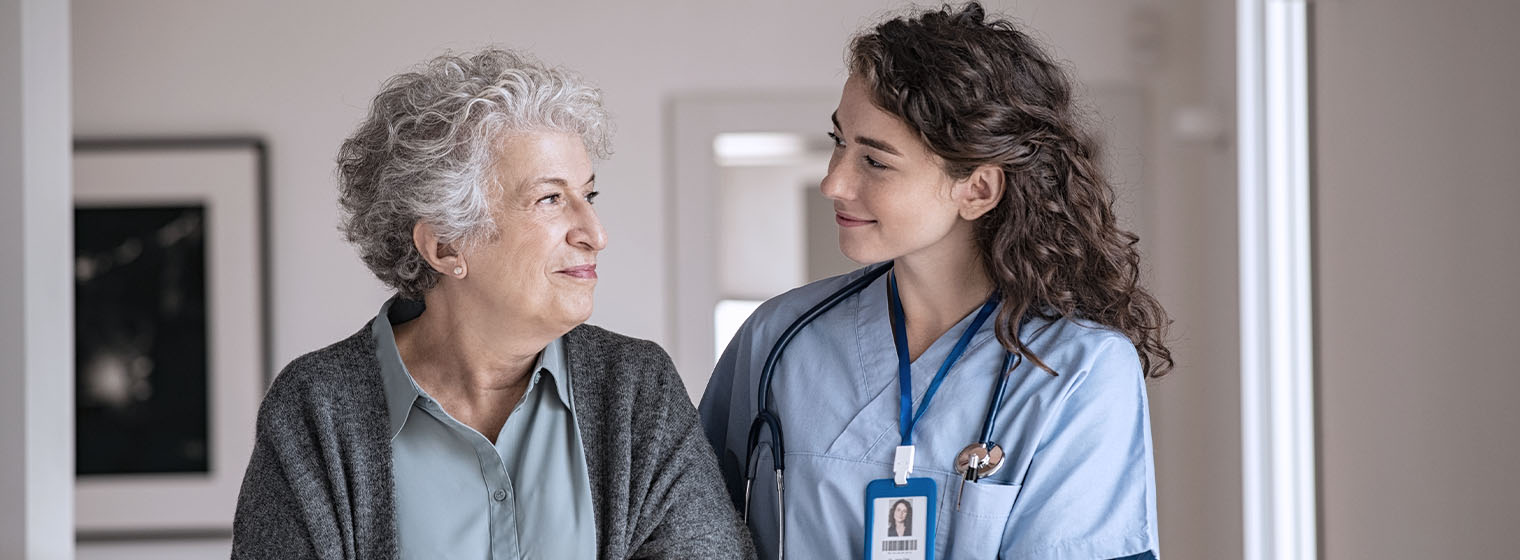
(444, 258)
(980, 192)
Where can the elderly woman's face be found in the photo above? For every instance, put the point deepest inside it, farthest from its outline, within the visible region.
(541, 269)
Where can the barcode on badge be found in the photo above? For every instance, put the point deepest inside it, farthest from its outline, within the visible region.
(899, 546)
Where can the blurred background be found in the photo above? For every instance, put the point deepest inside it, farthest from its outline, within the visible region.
(710, 203)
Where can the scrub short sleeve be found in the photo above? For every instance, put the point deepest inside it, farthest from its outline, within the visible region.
(725, 409)
(1090, 492)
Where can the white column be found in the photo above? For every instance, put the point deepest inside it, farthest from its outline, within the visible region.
(36, 286)
(1276, 313)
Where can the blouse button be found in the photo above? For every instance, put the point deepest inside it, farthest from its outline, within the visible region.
(499, 495)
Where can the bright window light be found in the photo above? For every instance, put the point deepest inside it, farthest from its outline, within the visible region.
(766, 148)
(728, 316)
(1276, 299)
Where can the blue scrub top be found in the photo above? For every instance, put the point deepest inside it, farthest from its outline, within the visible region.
(1078, 480)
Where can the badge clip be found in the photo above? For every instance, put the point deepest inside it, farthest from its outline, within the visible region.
(902, 465)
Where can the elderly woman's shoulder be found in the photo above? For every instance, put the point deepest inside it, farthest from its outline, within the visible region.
(593, 344)
(616, 370)
(338, 371)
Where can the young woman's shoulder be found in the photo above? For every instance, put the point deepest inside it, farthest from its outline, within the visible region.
(779, 312)
(1082, 349)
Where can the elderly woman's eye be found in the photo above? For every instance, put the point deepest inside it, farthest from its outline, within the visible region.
(551, 199)
(591, 196)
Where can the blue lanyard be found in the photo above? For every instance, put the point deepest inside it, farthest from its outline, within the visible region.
(909, 418)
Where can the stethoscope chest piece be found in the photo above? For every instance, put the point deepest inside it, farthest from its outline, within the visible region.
(975, 462)
(978, 461)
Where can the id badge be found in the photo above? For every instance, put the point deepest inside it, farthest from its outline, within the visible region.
(900, 520)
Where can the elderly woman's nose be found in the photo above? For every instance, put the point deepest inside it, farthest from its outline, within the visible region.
(588, 232)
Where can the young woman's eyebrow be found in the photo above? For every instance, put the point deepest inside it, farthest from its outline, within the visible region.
(866, 140)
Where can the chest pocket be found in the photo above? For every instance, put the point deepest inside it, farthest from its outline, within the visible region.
(976, 530)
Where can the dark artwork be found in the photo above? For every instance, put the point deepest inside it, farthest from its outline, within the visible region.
(140, 340)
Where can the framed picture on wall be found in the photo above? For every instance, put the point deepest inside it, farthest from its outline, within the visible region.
(171, 330)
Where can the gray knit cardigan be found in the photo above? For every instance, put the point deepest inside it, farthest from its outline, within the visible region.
(320, 485)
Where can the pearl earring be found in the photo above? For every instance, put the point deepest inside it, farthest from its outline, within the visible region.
(458, 271)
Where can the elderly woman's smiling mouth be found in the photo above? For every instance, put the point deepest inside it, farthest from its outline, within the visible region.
(582, 272)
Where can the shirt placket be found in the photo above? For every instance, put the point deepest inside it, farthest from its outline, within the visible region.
(501, 498)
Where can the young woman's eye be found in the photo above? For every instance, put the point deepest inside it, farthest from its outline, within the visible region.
(838, 142)
(551, 199)
(591, 196)
(873, 163)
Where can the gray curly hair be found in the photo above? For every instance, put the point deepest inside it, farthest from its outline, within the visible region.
(425, 152)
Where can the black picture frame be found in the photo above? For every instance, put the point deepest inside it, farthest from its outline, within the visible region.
(180, 201)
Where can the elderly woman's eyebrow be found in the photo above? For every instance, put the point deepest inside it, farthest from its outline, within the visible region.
(556, 181)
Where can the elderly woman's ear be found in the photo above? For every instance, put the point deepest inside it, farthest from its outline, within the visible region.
(443, 257)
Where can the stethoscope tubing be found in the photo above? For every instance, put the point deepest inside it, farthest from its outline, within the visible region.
(768, 420)
(997, 399)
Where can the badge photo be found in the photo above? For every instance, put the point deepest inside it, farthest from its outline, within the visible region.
(900, 520)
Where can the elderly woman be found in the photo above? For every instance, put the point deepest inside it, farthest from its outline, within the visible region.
(476, 416)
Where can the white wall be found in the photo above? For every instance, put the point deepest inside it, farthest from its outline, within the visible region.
(766, 199)
(1418, 251)
(36, 308)
(301, 73)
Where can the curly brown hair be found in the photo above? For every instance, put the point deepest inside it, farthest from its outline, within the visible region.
(979, 91)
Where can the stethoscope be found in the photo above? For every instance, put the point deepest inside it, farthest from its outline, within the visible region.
(981, 459)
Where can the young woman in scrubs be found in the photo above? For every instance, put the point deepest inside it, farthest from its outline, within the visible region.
(961, 158)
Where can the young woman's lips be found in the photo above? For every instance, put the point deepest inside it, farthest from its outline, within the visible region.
(585, 272)
(846, 220)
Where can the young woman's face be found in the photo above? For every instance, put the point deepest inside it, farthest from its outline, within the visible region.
(891, 196)
(900, 513)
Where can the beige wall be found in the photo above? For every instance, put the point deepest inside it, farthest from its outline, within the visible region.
(300, 74)
(1193, 263)
(1418, 244)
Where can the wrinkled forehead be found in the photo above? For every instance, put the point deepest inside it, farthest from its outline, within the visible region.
(525, 160)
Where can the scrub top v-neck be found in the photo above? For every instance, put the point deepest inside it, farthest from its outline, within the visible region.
(1077, 481)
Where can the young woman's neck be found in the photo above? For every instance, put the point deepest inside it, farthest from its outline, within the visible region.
(939, 286)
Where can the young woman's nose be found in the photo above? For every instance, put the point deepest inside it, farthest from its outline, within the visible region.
(836, 184)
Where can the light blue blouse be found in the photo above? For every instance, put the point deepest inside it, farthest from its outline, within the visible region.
(1078, 481)
(460, 496)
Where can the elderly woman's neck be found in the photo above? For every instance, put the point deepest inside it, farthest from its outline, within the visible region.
(467, 353)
